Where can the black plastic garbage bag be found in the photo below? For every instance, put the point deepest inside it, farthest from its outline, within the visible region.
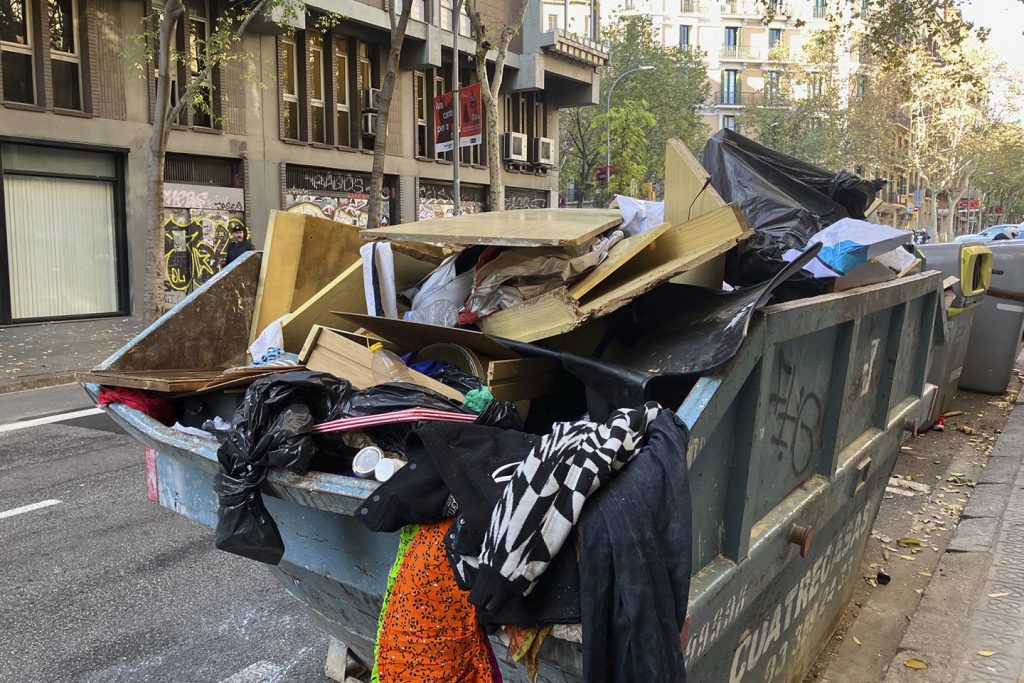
(391, 396)
(244, 527)
(272, 428)
(785, 200)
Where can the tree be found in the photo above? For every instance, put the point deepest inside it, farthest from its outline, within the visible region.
(495, 36)
(1000, 174)
(630, 125)
(673, 94)
(387, 91)
(218, 49)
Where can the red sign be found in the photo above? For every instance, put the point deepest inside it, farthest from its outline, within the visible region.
(470, 122)
(968, 205)
(601, 174)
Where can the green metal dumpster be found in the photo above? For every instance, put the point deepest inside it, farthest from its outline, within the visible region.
(792, 444)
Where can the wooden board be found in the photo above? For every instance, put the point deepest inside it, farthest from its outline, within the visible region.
(208, 329)
(345, 293)
(346, 359)
(680, 249)
(618, 255)
(507, 370)
(689, 195)
(677, 250)
(302, 255)
(522, 228)
(184, 380)
(414, 336)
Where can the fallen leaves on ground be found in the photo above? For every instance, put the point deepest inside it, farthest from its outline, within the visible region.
(916, 664)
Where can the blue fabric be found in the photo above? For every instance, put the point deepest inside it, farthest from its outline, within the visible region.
(276, 357)
(843, 256)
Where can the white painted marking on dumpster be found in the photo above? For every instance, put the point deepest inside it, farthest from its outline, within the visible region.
(29, 508)
(1010, 307)
(257, 672)
(49, 419)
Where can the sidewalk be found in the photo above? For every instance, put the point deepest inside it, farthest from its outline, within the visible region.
(969, 625)
(51, 353)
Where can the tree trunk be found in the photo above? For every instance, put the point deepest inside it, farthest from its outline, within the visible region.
(172, 13)
(387, 91)
(493, 141)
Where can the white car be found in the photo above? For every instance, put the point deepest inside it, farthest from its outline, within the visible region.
(1008, 231)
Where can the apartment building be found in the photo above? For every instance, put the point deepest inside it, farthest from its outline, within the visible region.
(293, 128)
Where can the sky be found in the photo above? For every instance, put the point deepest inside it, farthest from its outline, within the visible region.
(1005, 19)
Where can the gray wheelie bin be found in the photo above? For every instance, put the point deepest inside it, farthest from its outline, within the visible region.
(998, 324)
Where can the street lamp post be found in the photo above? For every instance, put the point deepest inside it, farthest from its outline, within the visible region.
(608, 122)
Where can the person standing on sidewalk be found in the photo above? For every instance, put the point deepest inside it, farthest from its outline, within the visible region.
(238, 245)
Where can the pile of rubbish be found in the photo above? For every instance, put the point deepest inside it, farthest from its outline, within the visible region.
(508, 381)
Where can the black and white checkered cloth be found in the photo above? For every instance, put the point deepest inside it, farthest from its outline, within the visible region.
(542, 501)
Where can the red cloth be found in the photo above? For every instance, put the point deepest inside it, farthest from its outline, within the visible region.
(156, 407)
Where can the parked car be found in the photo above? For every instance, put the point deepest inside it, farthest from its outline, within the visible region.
(1007, 230)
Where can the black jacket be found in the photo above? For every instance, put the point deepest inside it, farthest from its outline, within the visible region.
(236, 249)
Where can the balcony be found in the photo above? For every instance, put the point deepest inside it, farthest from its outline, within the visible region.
(737, 53)
(737, 99)
(691, 7)
(574, 47)
(738, 8)
(820, 12)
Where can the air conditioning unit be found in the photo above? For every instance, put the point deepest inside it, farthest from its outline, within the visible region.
(542, 152)
(371, 99)
(513, 147)
(369, 124)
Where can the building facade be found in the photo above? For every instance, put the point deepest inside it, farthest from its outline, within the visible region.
(288, 125)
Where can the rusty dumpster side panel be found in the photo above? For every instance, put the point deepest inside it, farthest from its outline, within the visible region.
(801, 429)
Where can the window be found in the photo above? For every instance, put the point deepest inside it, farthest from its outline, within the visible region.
(820, 9)
(65, 58)
(64, 232)
(465, 25)
(198, 35)
(439, 88)
(447, 14)
(317, 109)
(342, 110)
(523, 114)
(421, 107)
(774, 37)
(862, 86)
(552, 22)
(290, 88)
(684, 36)
(730, 86)
(16, 51)
(415, 12)
(729, 122)
(732, 37)
(507, 114)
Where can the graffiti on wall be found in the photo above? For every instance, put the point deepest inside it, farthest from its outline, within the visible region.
(521, 198)
(195, 244)
(349, 208)
(436, 200)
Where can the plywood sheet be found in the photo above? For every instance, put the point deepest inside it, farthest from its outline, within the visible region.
(522, 228)
(345, 293)
(679, 249)
(618, 255)
(413, 335)
(208, 329)
(689, 195)
(302, 255)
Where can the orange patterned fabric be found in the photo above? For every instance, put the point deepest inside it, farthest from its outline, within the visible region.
(430, 633)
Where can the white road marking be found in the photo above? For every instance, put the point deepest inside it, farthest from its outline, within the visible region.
(257, 672)
(49, 419)
(29, 508)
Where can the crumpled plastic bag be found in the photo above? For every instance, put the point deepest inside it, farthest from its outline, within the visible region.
(639, 215)
(516, 275)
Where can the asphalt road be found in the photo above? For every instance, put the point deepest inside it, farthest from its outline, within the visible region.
(106, 586)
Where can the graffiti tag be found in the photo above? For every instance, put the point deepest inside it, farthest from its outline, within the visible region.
(798, 414)
(195, 244)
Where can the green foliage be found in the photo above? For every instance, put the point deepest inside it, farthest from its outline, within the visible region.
(629, 125)
(1000, 174)
(672, 94)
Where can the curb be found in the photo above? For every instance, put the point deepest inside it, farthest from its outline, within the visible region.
(66, 377)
